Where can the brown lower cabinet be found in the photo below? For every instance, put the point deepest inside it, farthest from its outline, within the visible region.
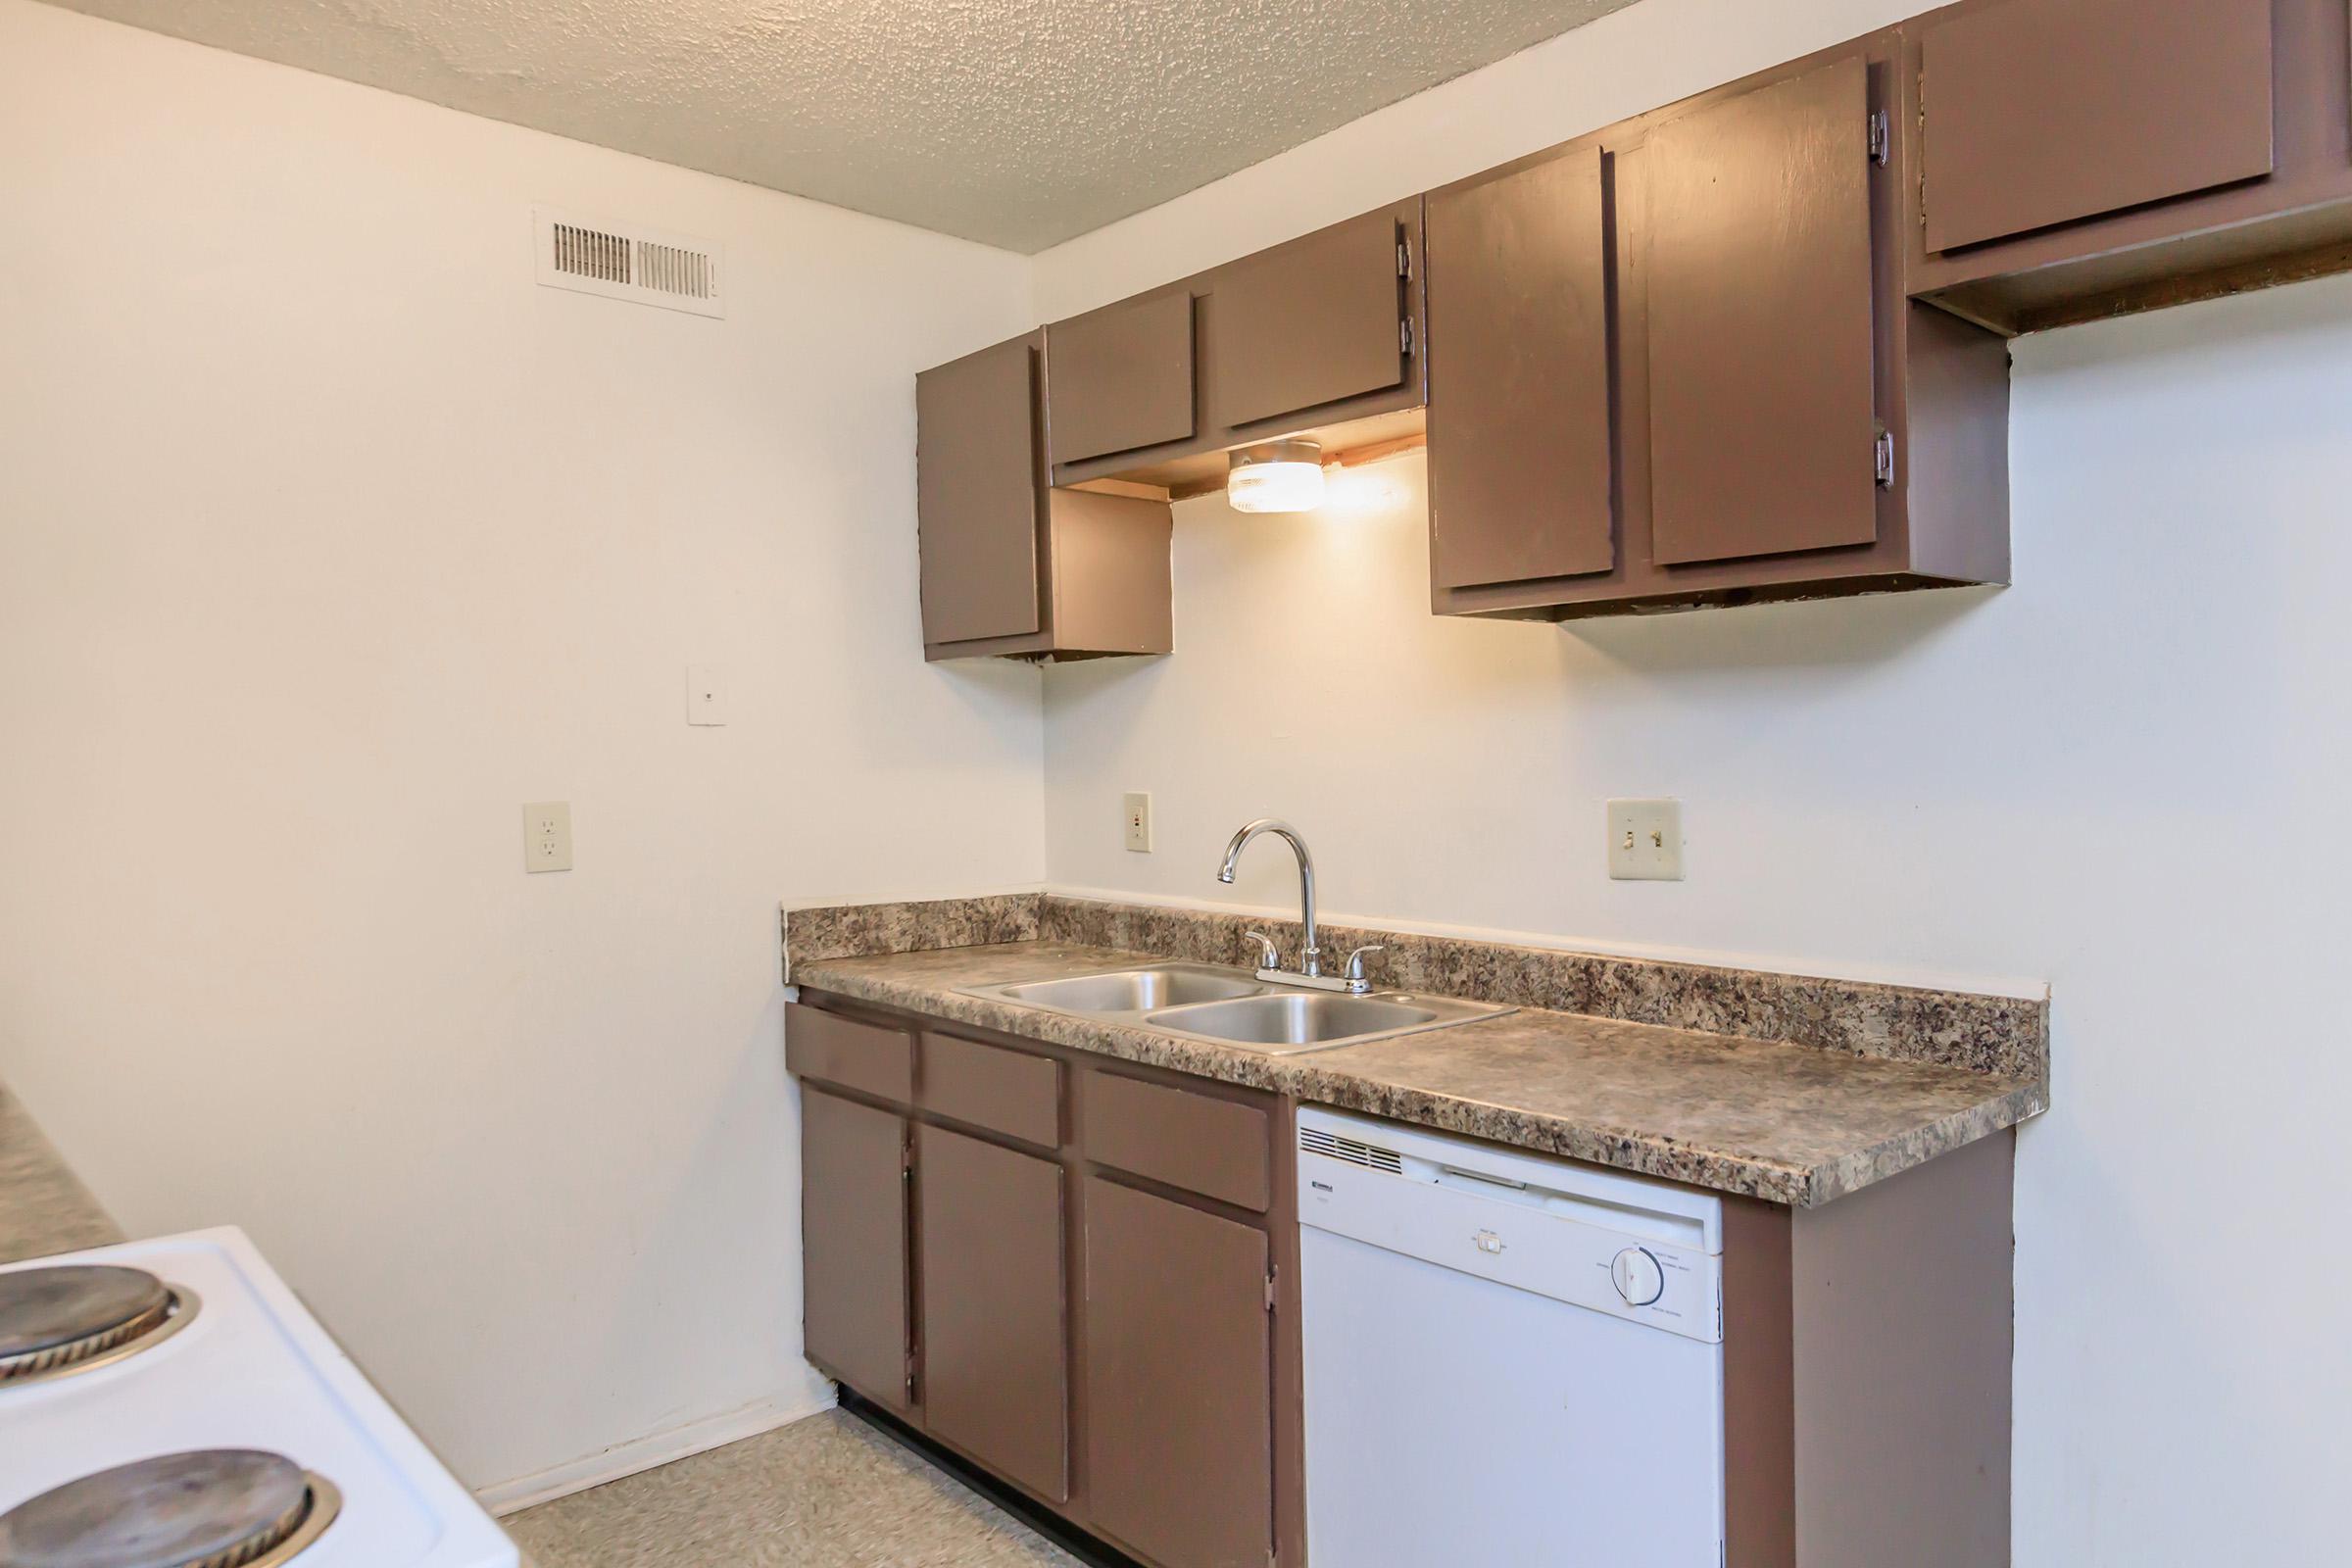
(1110, 1328)
(854, 1244)
(1169, 1292)
(1076, 1274)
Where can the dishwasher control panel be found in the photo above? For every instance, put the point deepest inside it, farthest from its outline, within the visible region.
(1621, 1245)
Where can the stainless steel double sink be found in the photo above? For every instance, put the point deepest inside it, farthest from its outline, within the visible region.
(1231, 1007)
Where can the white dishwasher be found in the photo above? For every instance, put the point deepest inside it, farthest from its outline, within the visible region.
(1511, 1359)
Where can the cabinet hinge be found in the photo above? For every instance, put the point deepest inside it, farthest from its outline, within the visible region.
(1404, 257)
(1404, 336)
(909, 1377)
(1270, 1290)
(1881, 139)
(1884, 458)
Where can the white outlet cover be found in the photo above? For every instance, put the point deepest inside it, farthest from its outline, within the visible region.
(547, 836)
(1135, 817)
(706, 695)
(1645, 841)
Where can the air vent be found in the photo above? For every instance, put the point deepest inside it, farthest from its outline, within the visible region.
(624, 261)
(1315, 1141)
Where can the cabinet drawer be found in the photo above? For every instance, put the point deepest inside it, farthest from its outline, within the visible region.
(1217, 1148)
(1008, 1092)
(2054, 111)
(863, 1057)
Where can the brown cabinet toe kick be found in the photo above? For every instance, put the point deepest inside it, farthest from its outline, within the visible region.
(1077, 1275)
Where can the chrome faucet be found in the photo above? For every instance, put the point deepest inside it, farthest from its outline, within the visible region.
(1311, 958)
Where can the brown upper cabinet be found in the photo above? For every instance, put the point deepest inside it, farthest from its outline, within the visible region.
(1762, 389)
(1122, 378)
(2080, 158)
(1318, 337)
(1521, 461)
(1310, 323)
(2053, 111)
(1008, 565)
(1750, 346)
(1757, 414)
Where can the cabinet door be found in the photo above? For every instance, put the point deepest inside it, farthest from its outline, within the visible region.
(2042, 111)
(996, 1356)
(1519, 435)
(976, 494)
(1180, 1404)
(854, 1243)
(1762, 418)
(1120, 379)
(1309, 322)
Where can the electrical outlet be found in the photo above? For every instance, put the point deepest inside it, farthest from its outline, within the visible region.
(706, 695)
(1645, 841)
(547, 836)
(1138, 820)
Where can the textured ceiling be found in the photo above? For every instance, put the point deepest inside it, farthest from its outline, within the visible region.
(1019, 123)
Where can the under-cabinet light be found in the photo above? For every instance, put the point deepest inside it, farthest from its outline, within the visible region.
(1280, 476)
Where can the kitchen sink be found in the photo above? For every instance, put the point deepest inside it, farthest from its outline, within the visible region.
(1231, 1007)
(1295, 1018)
(1133, 989)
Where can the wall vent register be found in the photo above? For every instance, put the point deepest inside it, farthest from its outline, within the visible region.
(627, 262)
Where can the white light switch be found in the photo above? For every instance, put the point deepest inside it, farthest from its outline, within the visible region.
(547, 836)
(1138, 819)
(1645, 841)
(706, 695)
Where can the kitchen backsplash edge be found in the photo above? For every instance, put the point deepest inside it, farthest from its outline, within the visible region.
(2008, 1036)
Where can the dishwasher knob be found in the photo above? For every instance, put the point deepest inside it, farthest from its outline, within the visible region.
(1638, 1277)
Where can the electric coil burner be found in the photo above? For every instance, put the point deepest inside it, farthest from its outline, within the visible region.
(213, 1508)
(74, 1317)
(250, 1440)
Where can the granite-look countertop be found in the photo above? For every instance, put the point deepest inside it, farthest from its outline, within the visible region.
(43, 1207)
(1790, 1123)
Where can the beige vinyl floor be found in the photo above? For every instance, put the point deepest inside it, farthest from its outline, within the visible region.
(825, 1493)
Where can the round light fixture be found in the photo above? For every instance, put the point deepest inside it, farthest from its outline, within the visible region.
(1279, 476)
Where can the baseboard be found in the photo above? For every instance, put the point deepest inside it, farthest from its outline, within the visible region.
(644, 1453)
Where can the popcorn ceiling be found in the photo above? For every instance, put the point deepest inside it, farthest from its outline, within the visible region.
(1015, 122)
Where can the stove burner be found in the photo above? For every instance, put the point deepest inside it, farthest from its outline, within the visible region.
(74, 1316)
(212, 1508)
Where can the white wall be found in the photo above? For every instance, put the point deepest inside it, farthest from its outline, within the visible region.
(2122, 776)
(326, 540)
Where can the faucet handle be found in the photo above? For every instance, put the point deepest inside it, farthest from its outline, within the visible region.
(1270, 956)
(1356, 979)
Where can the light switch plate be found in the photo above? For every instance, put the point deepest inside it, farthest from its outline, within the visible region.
(1137, 817)
(1645, 841)
(706, 695)
(547, 836)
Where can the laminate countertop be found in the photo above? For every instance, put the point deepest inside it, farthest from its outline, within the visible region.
(43, 1207)
(1790, 1123)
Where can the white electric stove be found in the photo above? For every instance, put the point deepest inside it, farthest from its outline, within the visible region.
(169, 1404)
